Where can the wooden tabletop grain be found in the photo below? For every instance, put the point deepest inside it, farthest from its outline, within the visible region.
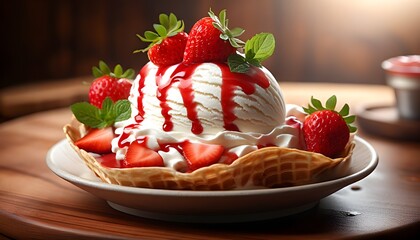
(36, 204)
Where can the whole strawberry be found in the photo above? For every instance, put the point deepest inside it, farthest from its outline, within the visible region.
(167, 44)
(325, 130)
(115, 85)
(210, 40)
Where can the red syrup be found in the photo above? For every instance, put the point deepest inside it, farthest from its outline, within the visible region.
(122, 142)
(109, 161)
(182, 75)
(232, 81)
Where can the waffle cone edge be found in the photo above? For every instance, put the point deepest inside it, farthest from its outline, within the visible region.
(264, 168)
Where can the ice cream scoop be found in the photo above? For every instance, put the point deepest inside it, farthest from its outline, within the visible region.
(206, 103)
(206, 98)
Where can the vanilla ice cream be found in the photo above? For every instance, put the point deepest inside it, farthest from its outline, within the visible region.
(206, 103)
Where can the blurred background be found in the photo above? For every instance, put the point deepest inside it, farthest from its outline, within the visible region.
(50, 46)
(317, 41)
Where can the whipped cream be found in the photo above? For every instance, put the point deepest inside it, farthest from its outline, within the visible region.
(206, 103)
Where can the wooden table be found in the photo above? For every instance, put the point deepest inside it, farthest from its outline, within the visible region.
(35, 203)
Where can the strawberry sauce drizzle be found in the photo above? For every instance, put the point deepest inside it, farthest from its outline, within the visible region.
(143, 73)
(182, 74)
(231, 82)
(162, 95)
(122, 142)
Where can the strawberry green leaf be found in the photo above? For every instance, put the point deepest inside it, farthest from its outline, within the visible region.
(331, 102)
(101, 118)
(309, 110)
(129, 74)
(164, 20)
(168, 26)
(104, 70)
(118, 71)
(352, 128)
(316, 103)
(149, 35)
(345, 110)
(173, 20)
(221, 23)
(236, 32)
(96, 72)
(222, 18)
(350, 119)
(257, 49)
(161, 30)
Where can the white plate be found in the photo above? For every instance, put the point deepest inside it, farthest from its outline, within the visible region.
(207, 206)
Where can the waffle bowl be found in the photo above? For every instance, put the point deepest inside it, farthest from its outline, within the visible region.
(264, 168)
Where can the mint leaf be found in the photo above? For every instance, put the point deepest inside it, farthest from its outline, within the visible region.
(100, 118)
(257, 49)
(237, 63)
(107, 105)
(107, 114)
(122, 110)
(87, 114)
(261, 46)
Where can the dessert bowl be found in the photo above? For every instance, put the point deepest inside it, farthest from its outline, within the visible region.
(208, 206)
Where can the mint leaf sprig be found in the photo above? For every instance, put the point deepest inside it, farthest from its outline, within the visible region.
(118, 72)
(110, 113)
(257, 49)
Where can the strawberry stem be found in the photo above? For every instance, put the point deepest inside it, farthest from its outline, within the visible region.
(221, 23)
(119, 72)
(168, 26)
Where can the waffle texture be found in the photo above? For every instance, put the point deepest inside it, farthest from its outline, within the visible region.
(264, 168)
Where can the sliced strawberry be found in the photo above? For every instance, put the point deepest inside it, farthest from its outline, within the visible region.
(228, 158)
(109, 160)
(139, 155)
(97, 140)
(200, 154)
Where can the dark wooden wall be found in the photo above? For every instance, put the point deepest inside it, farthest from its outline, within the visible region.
(322, 40)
